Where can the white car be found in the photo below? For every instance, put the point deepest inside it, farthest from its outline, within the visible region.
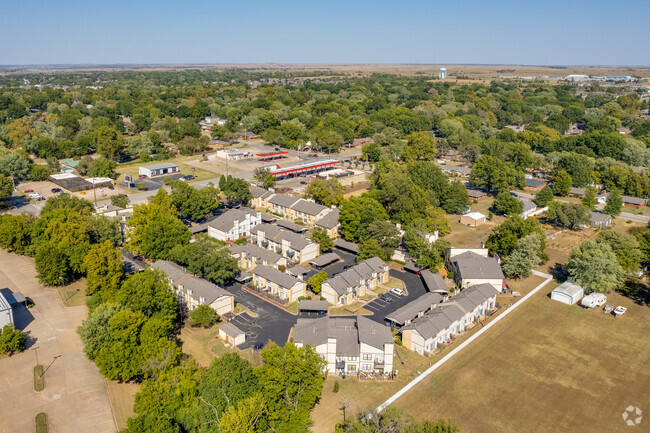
(398, 292)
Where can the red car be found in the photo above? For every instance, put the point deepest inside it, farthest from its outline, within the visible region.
(27, 191)
(314, 156)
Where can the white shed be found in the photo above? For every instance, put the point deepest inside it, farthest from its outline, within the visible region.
(567, 293)
(231, 334)
(6, 313)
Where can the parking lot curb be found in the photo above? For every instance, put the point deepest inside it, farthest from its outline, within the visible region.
(267, 300)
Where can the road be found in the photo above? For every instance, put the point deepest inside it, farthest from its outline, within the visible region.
(465, 343)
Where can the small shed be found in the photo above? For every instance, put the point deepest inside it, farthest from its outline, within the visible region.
(473, 219)
(599, 220)
(476, 195)
(158, 169)
(231, 334)
(567, 293)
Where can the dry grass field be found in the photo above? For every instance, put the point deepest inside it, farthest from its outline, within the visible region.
(122, 395)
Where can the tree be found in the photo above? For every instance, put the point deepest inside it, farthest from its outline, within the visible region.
(494, 173)
(264, 177)
(162, 235)
(38, 172)
(589, 200)
(456, 199)
(595, 267)
(16, 233)
(120, 200)
(52, 265)
(102, 229)
(109, 141)
(6, 187)
(248, 416)
(435, 220)
(320, 236)
(387, 235)
(236, 190)
(568, 215)
(95, 330)
(69, 202)
(369, 249)
(148, 292)
(12, 340)
(357, 213)
(193, 203)
(562, 182)
(207, 258)
(103, 269)
(316, 281)
(614, 204)
(203, 316)
(392, 420)
(102, 167)
(419, 145)
(421, 250)
(505, 236)
(371, 152)
(326, 192)
(507, 204)
(524, 257)
(625, 246)
(544, 196)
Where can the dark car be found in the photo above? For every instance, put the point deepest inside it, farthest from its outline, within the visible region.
(302, 182)
(189, 177)
(258, 345)
(56, 190)
(277, 149)
(385, 297)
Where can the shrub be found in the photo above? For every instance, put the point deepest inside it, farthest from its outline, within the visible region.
(141, 186)
(336, 387)
(203, 316)
(240, 241)
(12, 340)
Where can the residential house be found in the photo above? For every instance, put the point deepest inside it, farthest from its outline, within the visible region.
(599, 220)
(330, 222)
(354, 282)
(633, 201)
(534, 184)
(234, 224)
(476, 195)
(529, 208)
(432, 329)
(473, 266)
(286, 287)
(457, 170)
(357, 142)
(249, 255)
(295, 247)
(349, 345)
(192, 291)
(577, 192)
(280, 204)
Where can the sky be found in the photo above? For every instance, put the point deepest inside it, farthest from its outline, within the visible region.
(568, 32)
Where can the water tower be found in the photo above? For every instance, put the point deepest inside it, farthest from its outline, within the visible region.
(442, 74)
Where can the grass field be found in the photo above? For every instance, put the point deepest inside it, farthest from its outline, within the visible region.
(40, 423)
(39, 378)
(74, 294)
(122, 396)
(198, 342)
(185, 165)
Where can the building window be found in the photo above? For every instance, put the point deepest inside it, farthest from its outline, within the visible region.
(366, 367)
(367, 357)
(351, 368)
(352, 358)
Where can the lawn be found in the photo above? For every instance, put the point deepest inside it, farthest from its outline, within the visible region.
(40, 423)
(39, 378)
(548, 367)
(122, 396)
(185, 165)
(73, 294)
(198, 342)
(353, 308)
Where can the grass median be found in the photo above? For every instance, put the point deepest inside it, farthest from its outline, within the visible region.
(39, 378)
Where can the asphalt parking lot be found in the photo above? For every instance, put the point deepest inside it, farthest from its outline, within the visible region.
(347, 259)
(272, 323)
(414, 288)
(155, 183)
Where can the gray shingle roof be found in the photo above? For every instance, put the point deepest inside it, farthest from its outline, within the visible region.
(473, 296)
(325, 259)
(598, 217)
(257, 191)
(436, 320)
(352, 277)
(226, 220)
(298, 242)
(275, 276)
(312, 305)
(171, 269)
(200, 287)
(349, 332)
(231, 330)
(474, 193)
(413, 308)
(347, 246)
(283, 200)
(160, 165)
(254, 251)
(633, 200)
(308, 207)
(433, 281)
(296, 228)
(528, 205)
(329, 220)
(472, 265)
(534, 183)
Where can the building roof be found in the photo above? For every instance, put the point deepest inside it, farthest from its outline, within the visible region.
(475, 215)
(297, 271)
(273, 233)
(535, 183)
(569, 289)
(226, 220)
(283, 200)
(433, 281)
(196, 287)
(308, 207)
(473, 296)
(599, 217)
(173, 271)
(347, 246)
(528, 205)
(633, 200)
(4, 304)
(257, 191)
(160, 165)
(436, 320)
(254, 251)
(296, 228)
(231, 330)
(325, 259)
(353, 276)
(275, 276)
(473, 265)
(414, 308)
(312, 305)
(466, 171)
(349, 332)
(131, 264)
(329, 220)
(577, 191)
(475, 193)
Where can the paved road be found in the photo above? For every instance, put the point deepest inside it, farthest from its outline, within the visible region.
(414, 287)
(465, 343)
(275, 322)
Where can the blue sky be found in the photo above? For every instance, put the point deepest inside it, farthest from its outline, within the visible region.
(484, 32)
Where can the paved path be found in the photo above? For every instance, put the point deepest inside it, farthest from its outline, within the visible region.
(75, 397)
(465, 343)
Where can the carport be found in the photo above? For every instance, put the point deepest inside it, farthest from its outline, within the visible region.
(325, 259)
(344, 245)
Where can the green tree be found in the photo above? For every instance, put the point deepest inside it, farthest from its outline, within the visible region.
(207, 258)
(102, 167)
(6, 187)
(53, 266)
(317, 280)
(12, 340)
(248, 416)
(568, 215)
(386, 234)
(371, 152)
(148, 292)
(419, 145)
(103, 269)
(193, 203)
(320, 236)
(38, 172)
(357, 213)
(507, 204)
(95, 330)
(264, 177)
(371, 248)
(562, 182)
(505, 236)
(589, 200)
(236, 190)
(68, 202)
(16, 233)
(435, 220)
(109, 142)
(203, 316)
(625, 246)
(161, 235)
(120, 200)
(326, 192)
(102, 229)
(544, 196)
(614, 204)
(456, 199)
(524, 257)
(494, 173)
(595, 267)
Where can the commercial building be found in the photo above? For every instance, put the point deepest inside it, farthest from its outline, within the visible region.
(345, 176)
(6, 312)
(158, 169)
(303, 169)
(233, 154)
(349, 345)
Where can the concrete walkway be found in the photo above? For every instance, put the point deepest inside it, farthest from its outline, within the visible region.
(75, 397)
(465, 343)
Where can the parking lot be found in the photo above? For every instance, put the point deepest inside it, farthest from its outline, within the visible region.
(347, 260)
(414, 289)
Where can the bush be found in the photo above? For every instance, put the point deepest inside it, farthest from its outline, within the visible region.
(141, 186)
(203, 316)
(39, 172)
(167, 180)
(240, 241)
(39, 379)
(12, 340)
(120, 200)
(398, 341)
(336, 387)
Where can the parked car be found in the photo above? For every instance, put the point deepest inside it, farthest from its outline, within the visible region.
(398, 292)
(314, 155)
(277, 149)
(385, 297)
(302, 182)
(189, 177)
(27, 191)
(593, 300)
(56, 190)
(258, 345)
(619, 311)
(142, 176)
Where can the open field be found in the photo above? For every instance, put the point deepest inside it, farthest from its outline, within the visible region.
(122, 395)
(465, 236)
(74, 294)
(549, 367)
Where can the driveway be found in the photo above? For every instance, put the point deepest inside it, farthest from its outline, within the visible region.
(75, 396)
(414, 288)
(272, 323)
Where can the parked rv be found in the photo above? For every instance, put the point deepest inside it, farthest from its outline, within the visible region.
(593, 300)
